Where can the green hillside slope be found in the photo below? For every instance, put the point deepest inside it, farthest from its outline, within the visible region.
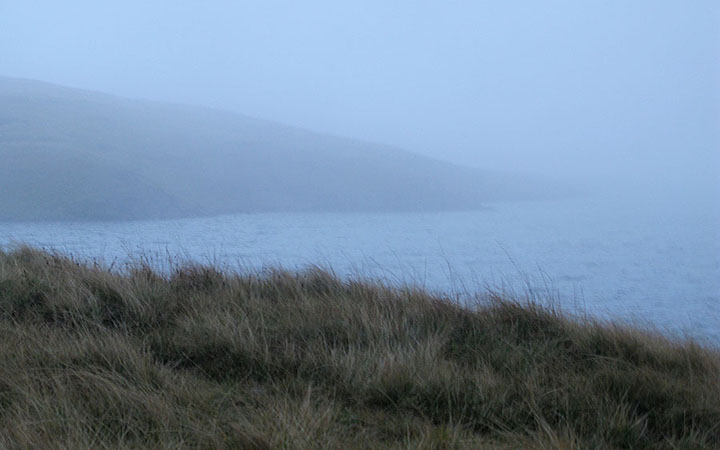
(74, 154)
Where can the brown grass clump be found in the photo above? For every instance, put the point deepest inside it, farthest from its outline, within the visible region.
(200, 358)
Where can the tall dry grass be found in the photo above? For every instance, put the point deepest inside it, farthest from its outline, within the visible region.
(198, 358)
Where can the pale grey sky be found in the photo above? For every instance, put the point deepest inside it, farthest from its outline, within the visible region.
(602, 88)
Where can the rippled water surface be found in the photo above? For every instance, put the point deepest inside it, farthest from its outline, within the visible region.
(655, 263)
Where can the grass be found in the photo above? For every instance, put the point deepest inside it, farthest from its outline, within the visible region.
(94, 357)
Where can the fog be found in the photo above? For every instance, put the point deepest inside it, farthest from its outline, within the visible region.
(605, 92)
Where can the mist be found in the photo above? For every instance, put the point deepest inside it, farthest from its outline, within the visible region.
(360, 224)
(605, 93)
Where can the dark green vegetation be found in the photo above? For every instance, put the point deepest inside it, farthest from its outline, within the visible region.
(72, 154)
(96, 358)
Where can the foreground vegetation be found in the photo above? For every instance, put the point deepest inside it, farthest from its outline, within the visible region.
(93, 357)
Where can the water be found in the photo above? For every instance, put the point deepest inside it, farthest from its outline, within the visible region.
(653, 262)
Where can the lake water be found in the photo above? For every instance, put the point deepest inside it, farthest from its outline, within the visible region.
(653, 262)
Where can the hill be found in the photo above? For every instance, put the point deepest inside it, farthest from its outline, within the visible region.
(74, 154)
(196, 357)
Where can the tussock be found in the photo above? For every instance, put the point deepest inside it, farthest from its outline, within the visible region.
(93, 357)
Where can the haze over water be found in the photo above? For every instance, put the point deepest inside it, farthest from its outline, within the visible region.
(619, 99)
(658, 264)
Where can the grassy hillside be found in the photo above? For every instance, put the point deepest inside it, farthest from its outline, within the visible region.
(99, 358)
(70, 153)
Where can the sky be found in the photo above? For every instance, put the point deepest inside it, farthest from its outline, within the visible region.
(604, 90)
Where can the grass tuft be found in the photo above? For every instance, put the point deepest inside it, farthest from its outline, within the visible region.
(97, 357)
